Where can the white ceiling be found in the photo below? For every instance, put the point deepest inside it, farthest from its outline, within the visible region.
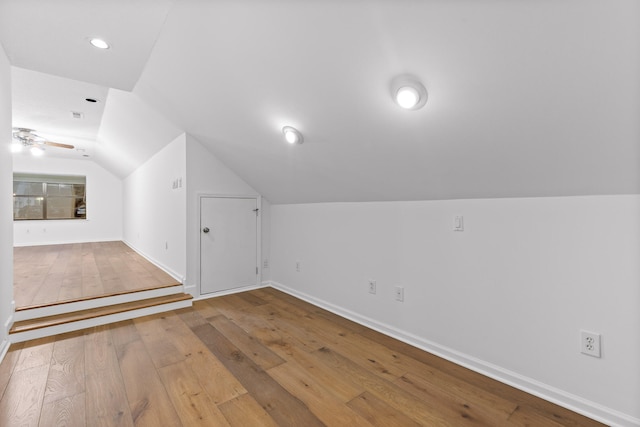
(45, 103)
(526, 98)
(52, 37)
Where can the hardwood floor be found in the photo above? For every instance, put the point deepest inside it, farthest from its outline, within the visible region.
(259, 358)
(61, 273)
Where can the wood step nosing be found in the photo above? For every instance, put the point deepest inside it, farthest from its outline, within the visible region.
(97, 321)
(52, 310)
(47, 321)
(95, 297)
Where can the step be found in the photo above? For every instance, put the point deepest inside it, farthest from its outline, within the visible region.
(29, 329)
(51, 309)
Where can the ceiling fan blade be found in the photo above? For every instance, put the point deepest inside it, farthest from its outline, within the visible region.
(22, 130)
(57, 144)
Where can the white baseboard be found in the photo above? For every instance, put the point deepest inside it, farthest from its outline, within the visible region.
(231, 291)
(178, 276)
(9, 322)
(191, 289)
(4, 347)
(544, 391)
(61, 242)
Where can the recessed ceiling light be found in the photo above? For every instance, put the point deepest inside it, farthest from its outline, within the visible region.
(292, 135)
(93, 100)
(407, 97)
(99, 43)
(408, 92)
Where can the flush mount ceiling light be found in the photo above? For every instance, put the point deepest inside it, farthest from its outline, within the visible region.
(408, 92)
(292, 135)
(36, 151)
(99, 43)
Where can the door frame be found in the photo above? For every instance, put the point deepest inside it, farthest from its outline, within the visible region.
(258, 200)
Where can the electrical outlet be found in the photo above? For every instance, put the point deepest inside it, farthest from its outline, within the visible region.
(298, 266)
(372, 286)
(590, 343)
(399, 293)
(265, 263)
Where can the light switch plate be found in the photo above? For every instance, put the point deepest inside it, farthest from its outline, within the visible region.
(458, 223)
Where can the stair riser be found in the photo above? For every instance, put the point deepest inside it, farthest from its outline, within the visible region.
(97, 321)
(53, 310)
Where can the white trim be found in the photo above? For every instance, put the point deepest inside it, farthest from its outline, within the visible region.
(259, 240)
(4, 348)
(9, 322)
(191, 289)
(230, 291)
(62, 242)
(177, 276)
(552, 394)
(6, 343)
(258, 200)
(70, 307)
(102, 320)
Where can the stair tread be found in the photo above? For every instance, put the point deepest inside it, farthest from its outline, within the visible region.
(59, 319)
(93, 297)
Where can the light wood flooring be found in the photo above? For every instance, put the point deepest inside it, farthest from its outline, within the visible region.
(53, 274)
(258, 358)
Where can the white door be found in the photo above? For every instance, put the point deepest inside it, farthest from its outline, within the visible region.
(228, 243)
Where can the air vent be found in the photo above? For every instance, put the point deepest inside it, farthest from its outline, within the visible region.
(77, 115)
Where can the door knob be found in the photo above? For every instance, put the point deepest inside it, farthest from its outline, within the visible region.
(205, 230)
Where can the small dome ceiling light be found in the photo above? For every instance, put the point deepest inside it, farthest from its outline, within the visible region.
(408, 92)
(36, 151)
(292, 135)
(99, 43)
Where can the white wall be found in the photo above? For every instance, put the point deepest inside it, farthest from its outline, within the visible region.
(6, 205)
(507, 296)
(161, 222)
(104, 204)
(154, 211)
(205, 175)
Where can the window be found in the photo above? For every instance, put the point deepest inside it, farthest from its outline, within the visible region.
(49, 197)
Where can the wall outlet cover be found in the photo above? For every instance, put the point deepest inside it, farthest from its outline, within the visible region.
(372, 286)
(590, 343)
(399, 293)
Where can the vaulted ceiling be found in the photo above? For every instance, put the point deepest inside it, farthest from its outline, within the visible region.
(526, 98)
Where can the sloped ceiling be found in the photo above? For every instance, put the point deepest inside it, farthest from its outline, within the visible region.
(45, 103)
(527, 98)
(52, 37)
(131, 132)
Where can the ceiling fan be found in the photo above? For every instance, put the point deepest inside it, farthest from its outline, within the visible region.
(28, 138)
